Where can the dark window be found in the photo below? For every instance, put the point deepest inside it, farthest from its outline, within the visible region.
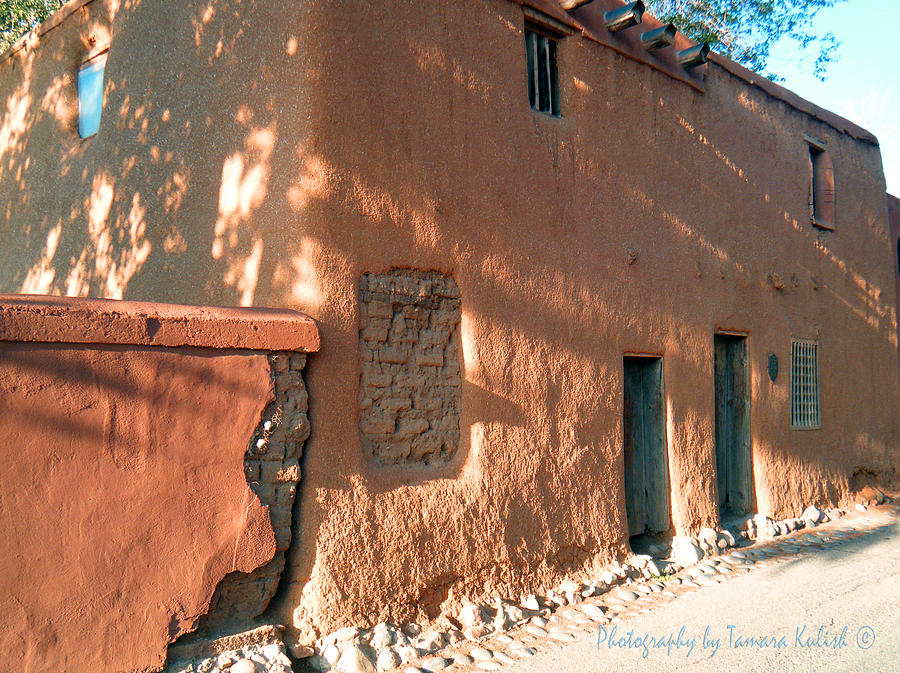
(543, 80)
(898, 256)
(821, 193)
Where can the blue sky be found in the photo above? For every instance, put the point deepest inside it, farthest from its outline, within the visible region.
(864, 84)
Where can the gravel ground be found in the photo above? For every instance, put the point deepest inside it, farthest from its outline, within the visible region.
(818, 606)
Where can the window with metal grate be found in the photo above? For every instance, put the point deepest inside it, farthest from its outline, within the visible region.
(543, 78)
(805, 412)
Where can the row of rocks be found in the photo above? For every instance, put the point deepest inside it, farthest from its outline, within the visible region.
(386, 646)
(761, 527)
(560, 615)
(868, 496)
(257, 658)
(687, 550)
(567, 622)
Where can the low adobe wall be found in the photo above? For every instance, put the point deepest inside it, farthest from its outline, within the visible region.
(131, 432)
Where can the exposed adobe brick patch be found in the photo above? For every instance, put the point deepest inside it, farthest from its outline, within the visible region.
(410, 383)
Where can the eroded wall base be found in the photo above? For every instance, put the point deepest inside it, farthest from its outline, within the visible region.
(272, 465)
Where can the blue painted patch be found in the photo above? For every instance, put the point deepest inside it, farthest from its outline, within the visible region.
(90, 96)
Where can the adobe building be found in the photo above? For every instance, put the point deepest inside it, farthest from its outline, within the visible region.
(571, 286)
(894, 216)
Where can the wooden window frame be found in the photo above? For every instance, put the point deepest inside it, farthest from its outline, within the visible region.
(821, 185)
(91, 74)
(542, 68)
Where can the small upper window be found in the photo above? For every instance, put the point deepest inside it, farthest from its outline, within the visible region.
(805, 412)
(90, 95)
(543, 79)
(821, 191)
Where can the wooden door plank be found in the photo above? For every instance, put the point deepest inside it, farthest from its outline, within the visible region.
(743, 459)
(632, 425)
(657, 463)
(734, 461)
(721, 416)
(732, 500)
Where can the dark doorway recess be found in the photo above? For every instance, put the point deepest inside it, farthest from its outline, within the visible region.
(734, 455)
(647, 501)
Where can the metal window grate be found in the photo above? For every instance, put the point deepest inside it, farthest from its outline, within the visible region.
(805, 411)
(543, 84)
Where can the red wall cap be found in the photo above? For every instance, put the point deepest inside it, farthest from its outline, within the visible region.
(109, 321)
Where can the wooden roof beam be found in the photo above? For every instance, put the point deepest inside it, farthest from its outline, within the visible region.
(569, 5)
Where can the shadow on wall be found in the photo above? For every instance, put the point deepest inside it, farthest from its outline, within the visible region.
(127, 497)
(179, 169)
(120, 383)
(188, 182)
(391, 191)
(208, 184)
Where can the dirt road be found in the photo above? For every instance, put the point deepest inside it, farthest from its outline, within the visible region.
(829, 608)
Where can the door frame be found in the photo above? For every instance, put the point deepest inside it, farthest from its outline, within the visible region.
(656, 513)
(733, 456)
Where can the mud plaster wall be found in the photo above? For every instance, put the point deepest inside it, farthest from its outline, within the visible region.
(894, 216)
(126, 498)
(410, 384)
(250, 153)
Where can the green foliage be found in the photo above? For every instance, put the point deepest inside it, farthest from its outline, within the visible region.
(664, 576)
(17, 17)
(745, 30)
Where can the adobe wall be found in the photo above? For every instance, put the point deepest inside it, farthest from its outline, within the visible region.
(644, 220)
(276, 157)
(894, 217)
(125, 497)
